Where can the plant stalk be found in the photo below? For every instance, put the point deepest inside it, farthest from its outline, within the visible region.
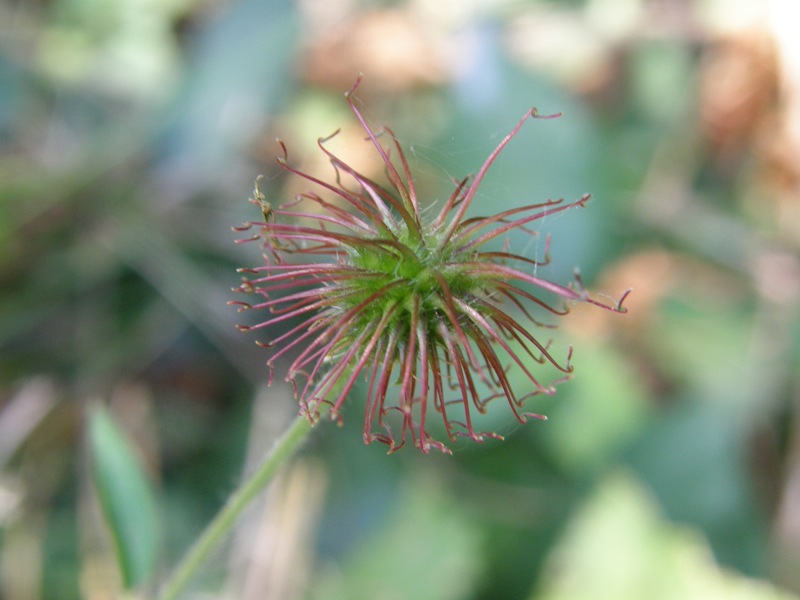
(220, 526)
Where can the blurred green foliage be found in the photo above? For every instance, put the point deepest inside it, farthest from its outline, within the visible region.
(130, 137)
(127, 500)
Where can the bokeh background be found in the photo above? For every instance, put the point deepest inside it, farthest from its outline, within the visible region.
(131, 132)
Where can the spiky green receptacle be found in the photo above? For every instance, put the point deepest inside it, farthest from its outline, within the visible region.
(383, 293)
(421, 271)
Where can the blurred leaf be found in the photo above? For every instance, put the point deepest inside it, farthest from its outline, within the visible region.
(694, 461)
(126, 498)
(701, 342)
(618, 547)
(661, 76)
(597, 413)
(427, 551)
(240, 71)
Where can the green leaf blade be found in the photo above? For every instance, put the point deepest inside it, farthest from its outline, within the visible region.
(126, 497)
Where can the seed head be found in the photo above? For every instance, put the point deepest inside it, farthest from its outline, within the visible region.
(360, 282)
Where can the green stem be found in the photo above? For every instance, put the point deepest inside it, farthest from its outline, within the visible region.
(281, 452)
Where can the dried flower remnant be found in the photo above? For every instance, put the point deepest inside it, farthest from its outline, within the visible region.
(369, 285)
